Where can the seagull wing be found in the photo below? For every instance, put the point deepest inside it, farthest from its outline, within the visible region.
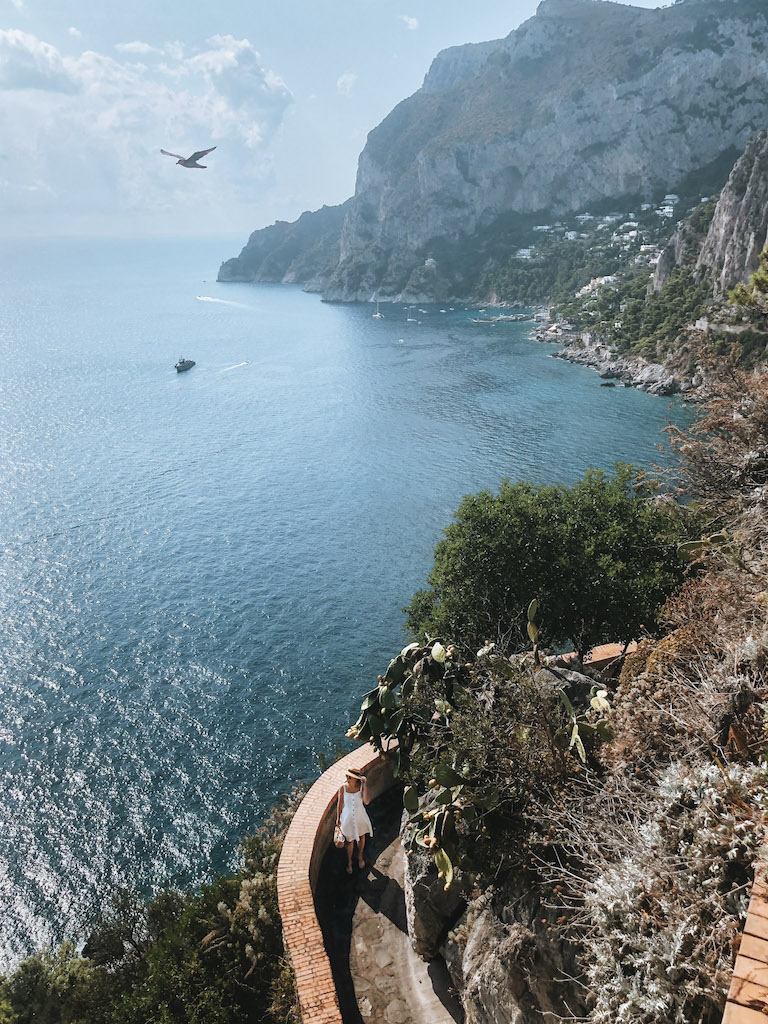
(174, 155)
(201, 152)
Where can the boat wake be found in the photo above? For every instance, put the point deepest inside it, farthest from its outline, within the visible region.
(228, 368)
(222, 302)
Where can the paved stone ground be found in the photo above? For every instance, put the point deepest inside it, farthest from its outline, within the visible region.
(379, 979)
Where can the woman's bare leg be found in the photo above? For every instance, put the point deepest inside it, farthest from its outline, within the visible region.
(360, 848)
(350, 847)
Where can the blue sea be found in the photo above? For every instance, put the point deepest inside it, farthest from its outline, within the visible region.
(201, 572)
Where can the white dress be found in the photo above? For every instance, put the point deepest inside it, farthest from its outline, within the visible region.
(354, 817)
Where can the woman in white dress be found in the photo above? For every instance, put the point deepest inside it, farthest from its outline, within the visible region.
(352, 816)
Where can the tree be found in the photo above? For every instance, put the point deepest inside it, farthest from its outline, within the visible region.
(755, 294)
(53, 987)
(601, 557)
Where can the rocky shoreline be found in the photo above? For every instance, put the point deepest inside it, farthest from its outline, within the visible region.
(630, 371)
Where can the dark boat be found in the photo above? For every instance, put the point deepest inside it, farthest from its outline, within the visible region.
(184, 364)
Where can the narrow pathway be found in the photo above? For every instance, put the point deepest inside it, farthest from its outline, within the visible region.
(748, 995)
(379, 979)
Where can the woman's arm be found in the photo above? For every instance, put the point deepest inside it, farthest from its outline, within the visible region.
(366, 798)
(338, 805)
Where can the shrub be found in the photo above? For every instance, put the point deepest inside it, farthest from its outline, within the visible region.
(214, 956)
(754, 295)
(600, 557)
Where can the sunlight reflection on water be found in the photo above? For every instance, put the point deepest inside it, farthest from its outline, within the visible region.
(201, 572)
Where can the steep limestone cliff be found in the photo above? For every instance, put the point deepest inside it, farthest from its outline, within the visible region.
(726, 253)
(290, 253)
(739, 228)
(585, 103)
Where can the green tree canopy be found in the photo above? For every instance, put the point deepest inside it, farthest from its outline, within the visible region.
(213, 956)
(601, 557)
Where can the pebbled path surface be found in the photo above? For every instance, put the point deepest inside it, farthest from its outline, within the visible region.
(379, 979)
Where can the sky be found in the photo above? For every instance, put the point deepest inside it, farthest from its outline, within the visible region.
(286, 90)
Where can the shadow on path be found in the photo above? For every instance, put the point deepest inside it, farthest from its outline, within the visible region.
(337, 894)
(363, 920)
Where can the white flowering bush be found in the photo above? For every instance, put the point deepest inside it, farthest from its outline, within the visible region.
(665, 914)
(648, 878)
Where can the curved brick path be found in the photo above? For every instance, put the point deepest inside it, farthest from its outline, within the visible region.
(305, 844)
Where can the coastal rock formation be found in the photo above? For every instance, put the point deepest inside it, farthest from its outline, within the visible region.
(430, 910)
(508, 970)
(631, 371)
(503, 962)
(586, 103)
(739, 228)
(727, 253)
(289, 253)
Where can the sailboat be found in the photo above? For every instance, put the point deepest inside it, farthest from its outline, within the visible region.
(377, 315)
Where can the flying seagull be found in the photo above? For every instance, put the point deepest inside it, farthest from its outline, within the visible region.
(190, 161)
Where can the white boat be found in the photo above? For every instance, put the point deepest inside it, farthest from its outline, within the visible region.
(377, 315)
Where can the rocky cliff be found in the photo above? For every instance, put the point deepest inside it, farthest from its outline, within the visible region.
(586, 103)
(726, 253)
(303, 251)
(739, 227)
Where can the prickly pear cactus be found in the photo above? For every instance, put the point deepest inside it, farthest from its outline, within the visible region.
(446, 723)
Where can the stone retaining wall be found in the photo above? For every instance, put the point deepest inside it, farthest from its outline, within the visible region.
(306, 842)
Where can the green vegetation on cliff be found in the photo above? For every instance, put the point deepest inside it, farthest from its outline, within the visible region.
(754, 294)
(214, 956)
(631, 316)
(633, 320)
(600, 557)
(556, 272)
(608, 826)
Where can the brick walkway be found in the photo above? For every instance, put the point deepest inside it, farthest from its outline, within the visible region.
(748, 994)
(306, 842)
(392, 984)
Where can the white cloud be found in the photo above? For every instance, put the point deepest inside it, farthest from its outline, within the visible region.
(345, 82)
(411, 23)
(75, 32)
(136, 47)
(174, 50)
(18, 4)
(28, 63)
(84, 133)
